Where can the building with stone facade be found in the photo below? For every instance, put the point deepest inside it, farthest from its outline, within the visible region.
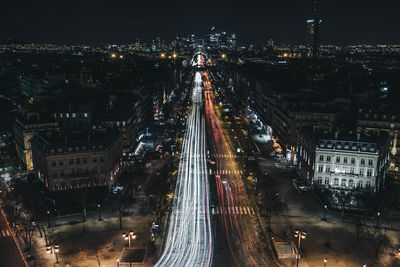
(73, 161)
(343, 161)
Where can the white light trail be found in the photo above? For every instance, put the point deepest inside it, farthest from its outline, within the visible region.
(189, 240)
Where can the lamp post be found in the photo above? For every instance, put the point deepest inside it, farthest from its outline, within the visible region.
(325, 261)
(325, 207)
(377, 219)
(99, 211)
(129, 236)
(53, 249)
(300, 235)
(117, 262)
(48, 217)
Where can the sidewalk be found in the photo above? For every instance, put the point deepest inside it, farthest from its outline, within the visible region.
(102, 242)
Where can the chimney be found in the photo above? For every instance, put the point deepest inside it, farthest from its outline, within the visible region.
(358, 136)
(336, 134)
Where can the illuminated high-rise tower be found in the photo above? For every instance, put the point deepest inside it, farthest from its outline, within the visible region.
(313, 27)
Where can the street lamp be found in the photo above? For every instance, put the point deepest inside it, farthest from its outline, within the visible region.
(325, 261)
(300, 235)
(117, 262)
(53, 249)
(325, 207)
(99, 211)
(48, 216)
(129, 236)
(377, 219)
(223, 56)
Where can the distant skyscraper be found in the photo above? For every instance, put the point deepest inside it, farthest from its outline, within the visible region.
(313, 27)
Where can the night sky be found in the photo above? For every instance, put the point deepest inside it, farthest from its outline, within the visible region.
(87, 21)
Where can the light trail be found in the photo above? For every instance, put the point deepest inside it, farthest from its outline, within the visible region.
(189, 240)
(230, 191)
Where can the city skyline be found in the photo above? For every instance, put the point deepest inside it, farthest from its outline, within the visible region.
(101, 23)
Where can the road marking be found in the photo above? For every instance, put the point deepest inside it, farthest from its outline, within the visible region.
(248, 209)
(253, 211)
(244, 210)
(237, 210)
(241, 211)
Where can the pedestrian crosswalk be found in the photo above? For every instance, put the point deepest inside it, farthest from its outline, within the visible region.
(223, 171)
(4, 233)
(224, 156)
(233, 210)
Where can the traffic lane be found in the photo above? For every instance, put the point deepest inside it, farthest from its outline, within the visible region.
(9, 253)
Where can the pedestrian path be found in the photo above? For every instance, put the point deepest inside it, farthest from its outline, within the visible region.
(223, 171)
(224, 156)
(233, 210)
(4, 233)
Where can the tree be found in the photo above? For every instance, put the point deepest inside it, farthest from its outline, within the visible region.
(82, 196)
(358, 225)
(379, 239)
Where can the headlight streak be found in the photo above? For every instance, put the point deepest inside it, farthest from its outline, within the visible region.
(189, 240)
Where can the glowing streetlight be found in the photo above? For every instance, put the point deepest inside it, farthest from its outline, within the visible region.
(174, 55)
(325, 207)
(99, 211)
(129, 236)
(113, 55)
(162, 55)
(121, 56)
(53, 249)
(223, 56)
(325, 261)
(377, 219)
(300, 235)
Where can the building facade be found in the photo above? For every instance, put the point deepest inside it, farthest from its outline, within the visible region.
(24, 128)
(343, 161)
(70, 162)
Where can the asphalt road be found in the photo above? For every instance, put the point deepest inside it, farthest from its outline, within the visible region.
(9, 254)
(189, 240)
(236, 221)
